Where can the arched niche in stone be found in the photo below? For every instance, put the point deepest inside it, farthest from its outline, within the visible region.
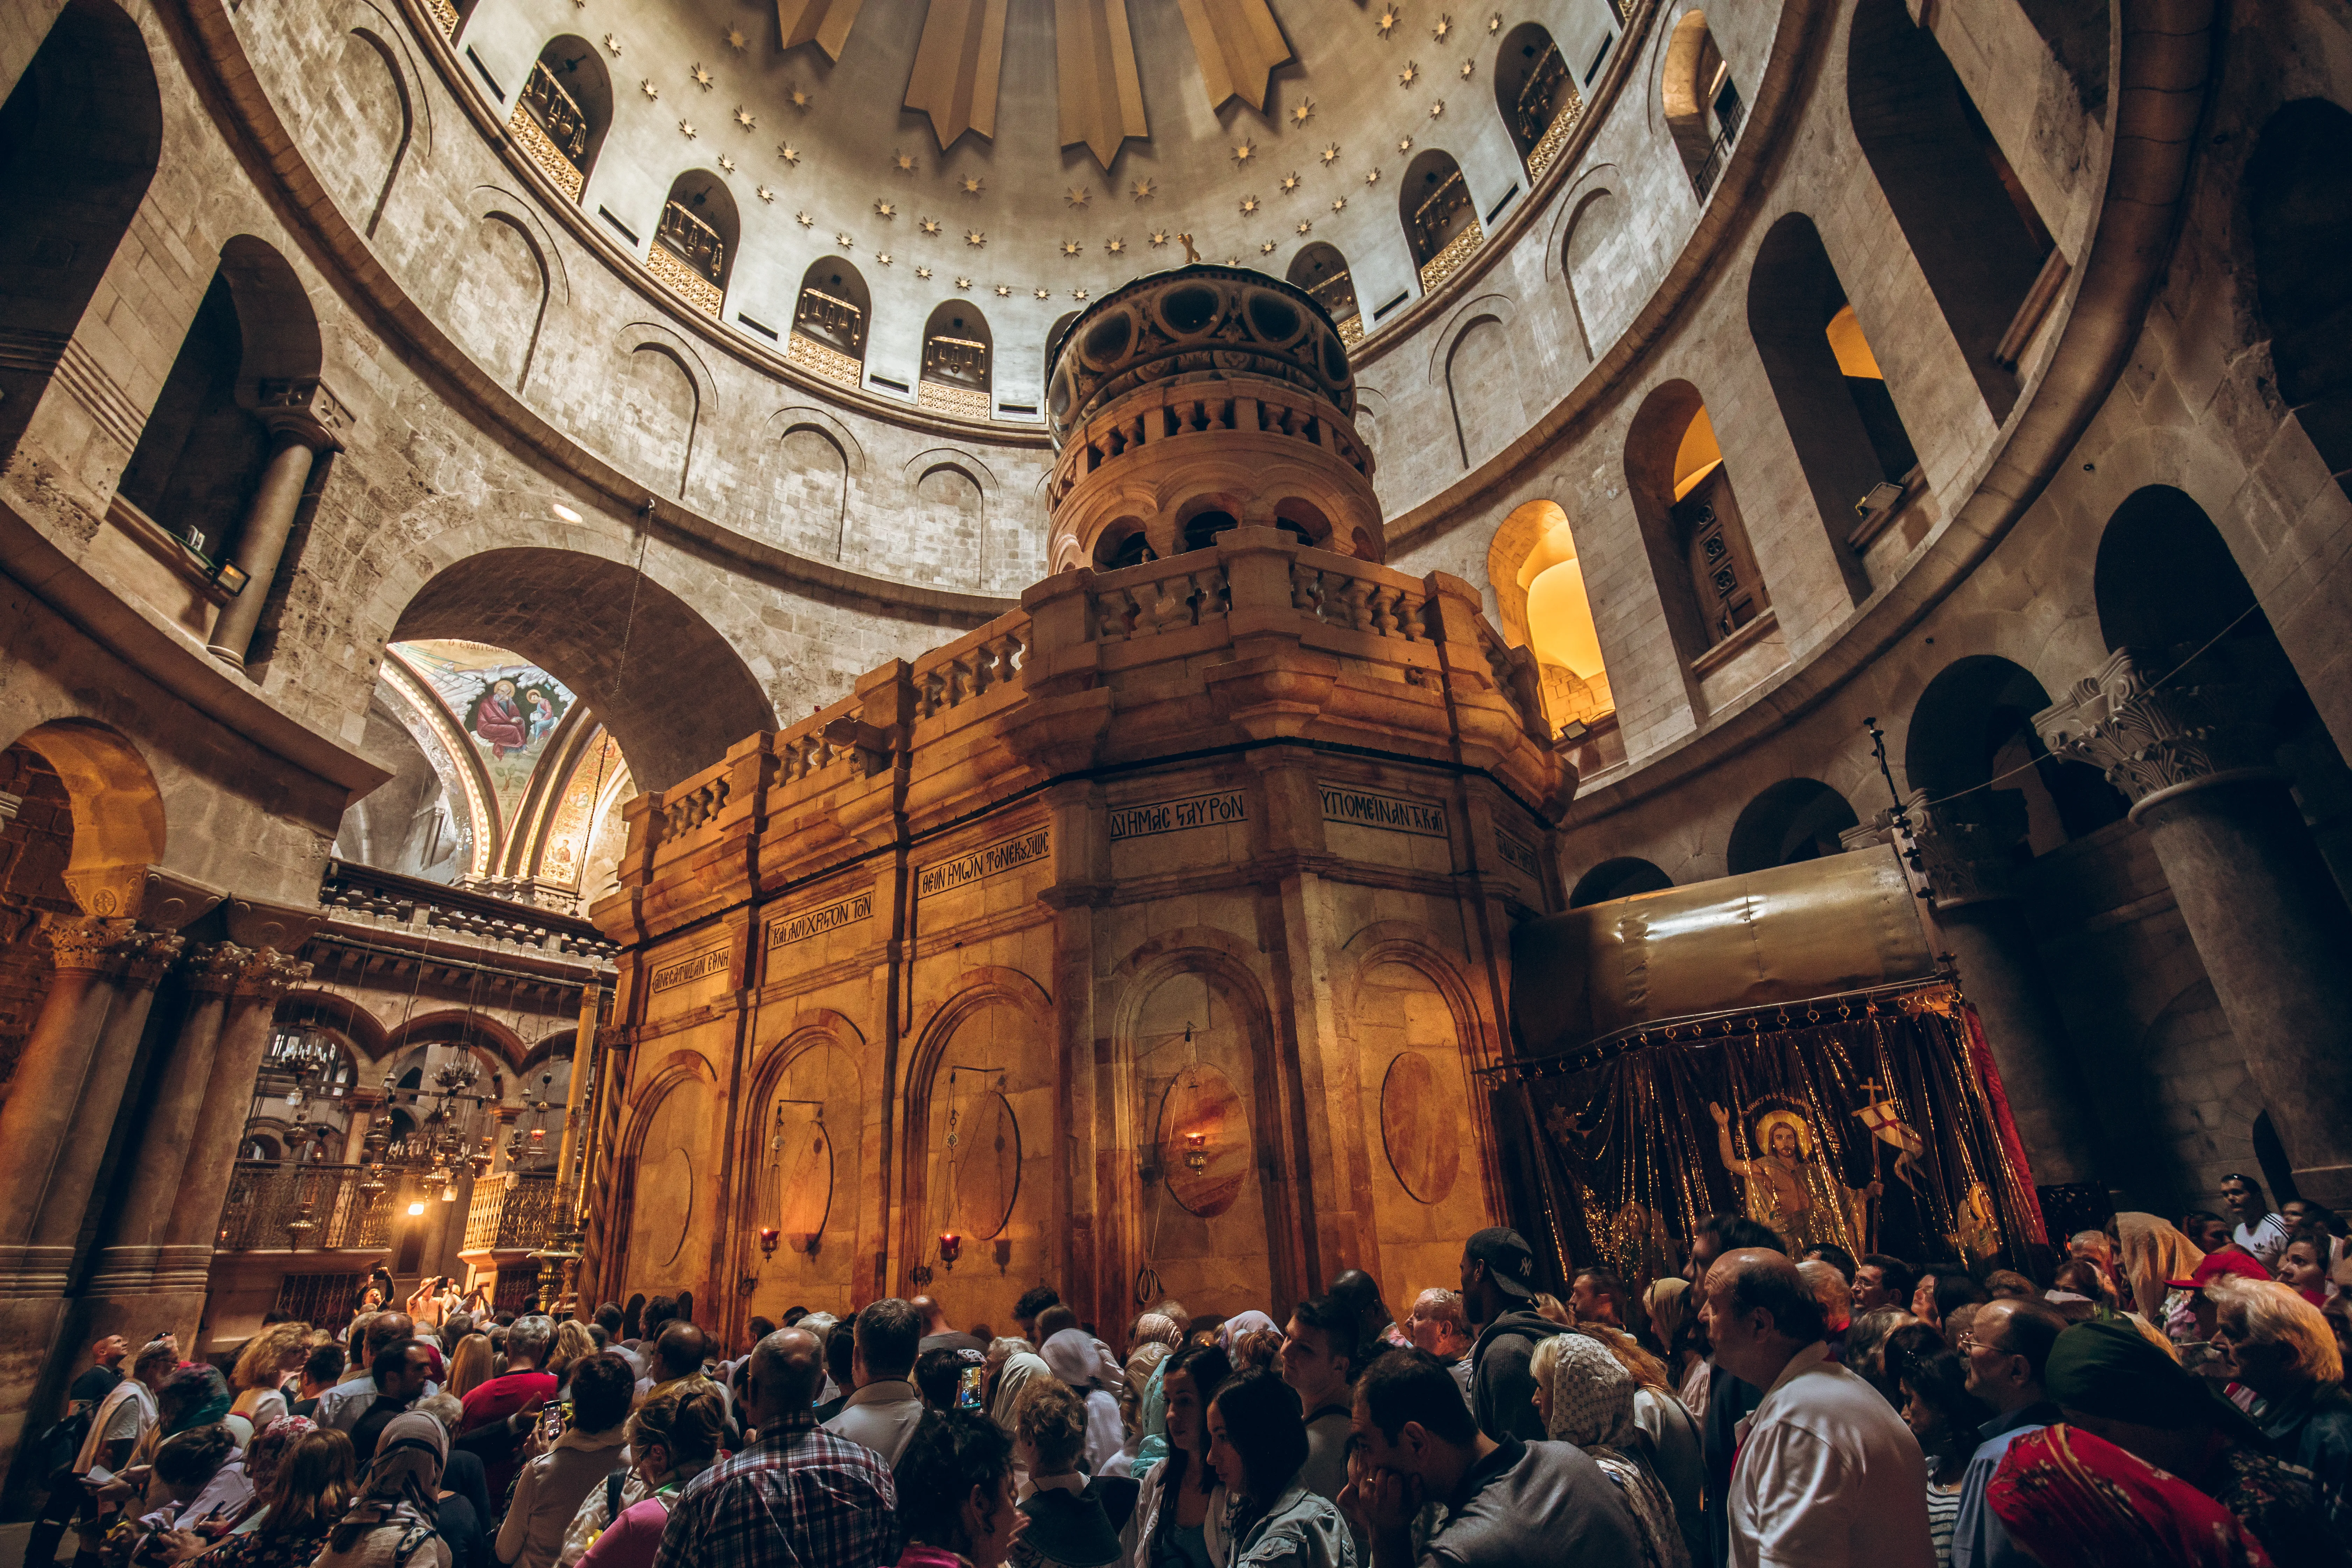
(1541, 603)
(831, 320)
(1537, 95)
(693, 244)
(1415, 1093)
(564, 110)
(1322, 272)
(1793, 820)
(959, 366)
(1970, 742)
(1708, 579)
(1441, 219)
(804, 1154)
(673, 1180)
(1702, 103)
(1619, 877)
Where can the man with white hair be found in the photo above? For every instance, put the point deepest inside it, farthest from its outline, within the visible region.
(1436, 1325)
(2284, 1351)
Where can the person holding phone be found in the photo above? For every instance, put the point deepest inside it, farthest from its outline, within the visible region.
(584, 1450)
(116, 1426)
(672, 1439)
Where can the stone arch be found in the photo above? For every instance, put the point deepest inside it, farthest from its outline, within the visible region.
(1701, 102)
(1795, 820)
(1709, 584)
(1971, 742)
(668, 1176)
(569, 98)
(505, 263)
(2298, 186)
(1534, 92)
(1475, 358)
(468, 1027)
(818, 1058)
(1594, 218)
(81, 131)
(808, 504)
(1054, 335)
(834, 312)
(1542, 603)
(1833, 396)
(664, 395)
(959, 356)
(370, 1041)
(1201, 1258)
(1439, 219)
(1321, 270)
(120, 826)
(1969, 224)
(2164, 576)
(695, 243)
(1620, 878)
(372, 142)
(573, 614)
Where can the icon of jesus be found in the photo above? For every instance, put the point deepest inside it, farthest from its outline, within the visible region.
(1787, 1189)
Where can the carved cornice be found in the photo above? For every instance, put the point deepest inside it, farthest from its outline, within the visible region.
(2149, 740)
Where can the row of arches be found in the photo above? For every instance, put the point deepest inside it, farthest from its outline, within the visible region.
(2164, 585)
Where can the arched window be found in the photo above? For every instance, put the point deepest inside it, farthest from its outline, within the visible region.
(1322, 272)
(1796, 819)
(829, 321)
(79, 135)
(1707, 576)
(564, 110)
(1619, 879)
(1441, 223)
(1537, 94)
(959, 361)
(1201, 529)
(2299, 201)
(1986, 253)
(1122, 544)
(1972, 745)
(1857, 457)
(1542, 604)
(695, 247)
(1702, 103)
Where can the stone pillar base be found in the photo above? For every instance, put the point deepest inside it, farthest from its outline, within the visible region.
(141, 1291)
(34, 1273)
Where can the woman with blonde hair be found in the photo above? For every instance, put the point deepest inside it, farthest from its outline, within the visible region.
(469, 1364)
(262, 1367)
(573, 1341)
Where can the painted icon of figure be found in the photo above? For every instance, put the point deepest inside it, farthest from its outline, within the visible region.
(543, 714)
(1790, 1190)
(498, 719)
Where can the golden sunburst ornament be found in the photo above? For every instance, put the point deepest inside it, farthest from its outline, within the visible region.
(903, 161)
(1338, 204)
(1290, 184)
(648, 89)
(1043, 293)
(1243, 153)
(1469, 69)
(1495, 23)
(766, 195)
(1388, 20)
(1115, 246)
(800, 99)
(1330, 154)
(966, 283)
(972, 185)
(1437, 109)
(1159, 238)
(687, 131)
(788, 153)
(702, 77)
(1249, 206)
(924, 273)
(1077, 293)
(1404, 143)
(726, 164)
(1077, 195)
(1304, 112)
(1004, 290)
(885, 209)
(738, 39)
(1071, 247)
(844, 241)
(1306, 225)
(974, 237)
(1444, 27)
(929, 226)
(1265, 248)
(745, 118)
(1410, 74)
(803, 219)
(883, 257)
(613, 42)
(1371, 176)
(1144, 190)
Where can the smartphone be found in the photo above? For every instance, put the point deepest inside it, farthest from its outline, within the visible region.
(555, 1420)
(967, 1388)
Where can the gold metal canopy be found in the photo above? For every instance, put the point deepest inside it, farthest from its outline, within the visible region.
(1791, 935)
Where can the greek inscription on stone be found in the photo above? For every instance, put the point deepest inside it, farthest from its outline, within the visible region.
(791, 929)
(1518, 854)
(1004, 855)
(1396, 815)
(1148, 817)
(686, 970)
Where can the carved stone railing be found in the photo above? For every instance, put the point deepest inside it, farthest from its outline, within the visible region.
(516, 1214)
(1187, 411)
(974, 665)
(1159, 596)
(304, 1208)
(1448, 261)
(371, 897)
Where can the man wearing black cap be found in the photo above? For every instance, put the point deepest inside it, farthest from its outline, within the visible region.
(1497, 1266)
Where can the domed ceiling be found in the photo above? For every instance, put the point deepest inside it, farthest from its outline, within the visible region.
(1029, 155)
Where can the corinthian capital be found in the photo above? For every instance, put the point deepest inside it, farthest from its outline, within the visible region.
(215, 968)
(270, 974)
(1967, 845)
(147, 955)
(88, 941)
(2148, 739)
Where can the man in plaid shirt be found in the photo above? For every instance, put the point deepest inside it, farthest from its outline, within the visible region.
(799, 1498)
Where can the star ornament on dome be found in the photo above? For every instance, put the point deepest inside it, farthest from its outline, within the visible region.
(613, 42)
(1444, 27)
(972, 237)
(1388, 20)
(726, 164)
(766, 195)
(745, 118)
(903, 161)
(1071, 247)
(1115, 246)
(702, 77)
(1404, 143)
(803, 219)
(1265, 248)
(687, 129)
(1043, 293)
(1303, 112)
(1410, 74)
(1159, 238)
(1243, 153)
(1077, 195)
(883, 257)
(1469, 69)
(1306, 225)
(1371, 176)
(788, 153)
(1144, 190)
(1495, 23)
(966, 283)
(844, 241)
(923, 272)
(886, 208)
(737, 38)
(1331, 154)
(800, 99)
(971, 184)
(1077, 293)
(1437, 109)
(648, 89)
(1003, 290)
(1338, 204)
(929, 226)
(1249, 206)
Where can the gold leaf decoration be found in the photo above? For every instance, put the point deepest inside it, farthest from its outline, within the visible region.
(958, 63)
(1101, 92)
(825, 21)
(1238, 44)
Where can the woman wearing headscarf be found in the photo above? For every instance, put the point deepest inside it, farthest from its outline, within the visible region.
(1677, 1450)
(1015, 1364)
(1151, 1402)
(1076, 1358)
(2149, 1252)
(1586, 1397)
(1668, 1302)
(393, 1522)
(2074, 1501)
(303, 1482)
(1240, 1323)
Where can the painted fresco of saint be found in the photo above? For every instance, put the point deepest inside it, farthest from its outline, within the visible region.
(1790, 1190)
(497, 718)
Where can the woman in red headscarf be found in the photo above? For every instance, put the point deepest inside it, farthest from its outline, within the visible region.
(2078, 1502)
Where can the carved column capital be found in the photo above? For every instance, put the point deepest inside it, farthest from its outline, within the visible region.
(88, 941)
(147, 955)
(2151, 741)
(303, 410)
(1967, 845)
(269, 973)
(213, 969)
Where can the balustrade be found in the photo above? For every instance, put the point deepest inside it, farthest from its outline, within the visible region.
(305, 1207)
(972, 668)
(515, 1215)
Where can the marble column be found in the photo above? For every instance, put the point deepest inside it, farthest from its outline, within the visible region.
(247, 1021)
(1966, 855)
(2267, 917)
(54, 1128)
(305, 419)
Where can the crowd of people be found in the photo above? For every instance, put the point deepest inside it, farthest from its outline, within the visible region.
(2167, 1394)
